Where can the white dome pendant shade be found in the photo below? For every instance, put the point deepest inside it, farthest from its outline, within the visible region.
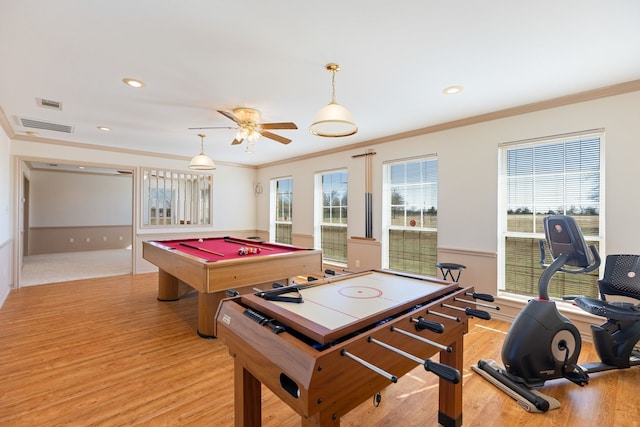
(202, 161)
(333, 120)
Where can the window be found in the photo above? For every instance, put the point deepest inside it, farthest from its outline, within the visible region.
(282, 190)
(331, 233)
(552, 177)
(411, 214)
(175, 199)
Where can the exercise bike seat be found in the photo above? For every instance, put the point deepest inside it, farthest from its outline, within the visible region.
(616, 340)
(621, 277)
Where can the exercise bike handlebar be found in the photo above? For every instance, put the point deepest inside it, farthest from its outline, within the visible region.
(558, 265)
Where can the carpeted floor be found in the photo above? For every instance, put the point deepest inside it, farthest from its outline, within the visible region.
(63, 267)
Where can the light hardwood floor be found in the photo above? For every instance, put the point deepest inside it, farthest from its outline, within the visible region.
(105, 352)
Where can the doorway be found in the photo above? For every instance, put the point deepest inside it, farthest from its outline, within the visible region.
(77, 222)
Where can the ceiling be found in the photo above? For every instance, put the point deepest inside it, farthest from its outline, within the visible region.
(199, 56)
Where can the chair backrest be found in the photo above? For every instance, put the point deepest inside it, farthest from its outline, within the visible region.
(621, 276)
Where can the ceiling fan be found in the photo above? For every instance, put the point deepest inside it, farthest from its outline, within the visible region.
(250, 128)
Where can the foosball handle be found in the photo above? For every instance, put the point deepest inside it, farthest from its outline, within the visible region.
(422, 323)
(480, 314)
(443, 371)
(483, 297)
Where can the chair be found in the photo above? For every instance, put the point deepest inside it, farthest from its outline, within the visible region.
(447, 268)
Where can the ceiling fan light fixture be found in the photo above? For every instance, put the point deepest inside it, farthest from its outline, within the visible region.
(201, 161)
(253, 136)
(245, 114)
(333, 120)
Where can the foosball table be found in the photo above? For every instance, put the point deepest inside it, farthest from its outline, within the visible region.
(326, 346)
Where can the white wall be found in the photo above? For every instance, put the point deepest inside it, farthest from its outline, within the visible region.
(6, 232)
(60, 199)
(468, 180)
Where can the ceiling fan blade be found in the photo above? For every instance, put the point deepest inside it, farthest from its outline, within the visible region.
(275, 137)
(214, 127)
(229, 116)
(236, 142)
(285, 125)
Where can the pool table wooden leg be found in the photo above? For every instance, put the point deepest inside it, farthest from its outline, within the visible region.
(168, 287)
(207, 307)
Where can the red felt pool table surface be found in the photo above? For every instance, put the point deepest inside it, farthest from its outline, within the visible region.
(226, 249)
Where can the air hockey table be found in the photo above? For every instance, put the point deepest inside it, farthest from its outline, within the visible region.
(324, 347)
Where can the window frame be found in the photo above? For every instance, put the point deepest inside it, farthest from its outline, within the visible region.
(191, 198)
(429, 254)
(537, 232)
(274, 222)
(319, 222)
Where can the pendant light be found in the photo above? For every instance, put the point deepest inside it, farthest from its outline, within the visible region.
(202, 161)
(333, 120)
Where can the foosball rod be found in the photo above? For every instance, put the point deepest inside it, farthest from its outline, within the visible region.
(481, 304)
(440, 369)
(424, 340)
(371, 366)
(446, 316)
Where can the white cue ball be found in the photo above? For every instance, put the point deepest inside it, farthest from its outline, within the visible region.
(200, 240)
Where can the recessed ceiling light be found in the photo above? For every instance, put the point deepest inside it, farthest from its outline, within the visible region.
(104, 128)
(80, 167)
(451, 90)
(133, 82)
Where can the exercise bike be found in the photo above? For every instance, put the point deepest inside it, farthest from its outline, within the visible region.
(542, 344)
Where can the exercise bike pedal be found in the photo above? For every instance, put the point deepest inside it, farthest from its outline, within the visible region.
(575, 374)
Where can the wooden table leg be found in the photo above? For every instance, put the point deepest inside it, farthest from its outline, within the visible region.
(168, 287)
(450, 395)
(207, 307)
(247, 397)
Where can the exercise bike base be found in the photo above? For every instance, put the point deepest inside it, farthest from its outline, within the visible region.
(531, 401)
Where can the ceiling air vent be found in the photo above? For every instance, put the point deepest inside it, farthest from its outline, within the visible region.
(47, 103)
(38, 124)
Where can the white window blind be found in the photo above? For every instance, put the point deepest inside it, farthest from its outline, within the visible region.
(333, 224)
(412, 214)
(558, 176)
(284, 210)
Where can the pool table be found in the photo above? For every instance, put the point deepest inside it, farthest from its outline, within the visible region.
(213, 265)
